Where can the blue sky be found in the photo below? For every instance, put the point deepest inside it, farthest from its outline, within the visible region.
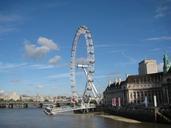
(36, 39)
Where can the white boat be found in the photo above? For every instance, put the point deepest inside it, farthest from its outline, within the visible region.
(48, 110)
(51, 110)
(55, 110)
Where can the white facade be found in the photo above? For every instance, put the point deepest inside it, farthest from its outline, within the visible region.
(2, 94)
(12, 96)
(39, 98)
(147, 66)
(26, 98)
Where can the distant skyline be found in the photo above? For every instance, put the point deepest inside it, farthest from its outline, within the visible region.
(36, 39)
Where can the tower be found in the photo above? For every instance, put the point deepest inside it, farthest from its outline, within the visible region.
(147, 66)
(166, 64)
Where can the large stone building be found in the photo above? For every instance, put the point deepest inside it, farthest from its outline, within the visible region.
(140, 89)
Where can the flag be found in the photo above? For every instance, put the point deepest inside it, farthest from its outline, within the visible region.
(113, 101)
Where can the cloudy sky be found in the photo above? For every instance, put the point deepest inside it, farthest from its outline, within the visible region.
(36, 39)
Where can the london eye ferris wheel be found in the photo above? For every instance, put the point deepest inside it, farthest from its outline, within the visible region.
(87, 66)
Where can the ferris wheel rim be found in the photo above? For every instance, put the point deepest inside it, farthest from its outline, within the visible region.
(82, 30)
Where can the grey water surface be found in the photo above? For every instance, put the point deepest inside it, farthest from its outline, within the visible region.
(36, 118)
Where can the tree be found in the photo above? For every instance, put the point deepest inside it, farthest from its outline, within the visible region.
(1, 99)
(46, 100)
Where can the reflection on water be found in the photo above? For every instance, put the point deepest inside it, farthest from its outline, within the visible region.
(35, 118)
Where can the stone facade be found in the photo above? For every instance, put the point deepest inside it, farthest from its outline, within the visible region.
(114, 90)
(166, 88)
(141, 86)
(136, 87)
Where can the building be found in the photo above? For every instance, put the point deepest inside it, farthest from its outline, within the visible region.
(9, 96)
(2, 94)
(114, 94)
(12, 96)
(134, 90)
(39, 98)
(26, 98)
(140, 89)
(147, 66)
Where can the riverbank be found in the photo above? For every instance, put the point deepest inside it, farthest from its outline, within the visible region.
(120, 118)
(141, 114)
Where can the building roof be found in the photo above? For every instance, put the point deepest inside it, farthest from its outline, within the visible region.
(115, 85)
(147, 60)
(133, 78)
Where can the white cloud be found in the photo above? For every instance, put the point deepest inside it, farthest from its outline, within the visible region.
(35, 52)
(116, 51)
(160, 67)
(45, 45)
(57, 76)
(63, 75)
(48, 43)
(2, 91)
(5, 29)
(82, 60)
(163, 9)
(11, 66)
(41, 66)
(6, 22)
(100, 76)
(159, 38)
(45, 66)
(9, 18)
(16, 81)
(102, 46)
(54, 60)
(155, 49)
(39, 86)
(130, 59)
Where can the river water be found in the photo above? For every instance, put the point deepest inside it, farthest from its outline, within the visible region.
(36, 118)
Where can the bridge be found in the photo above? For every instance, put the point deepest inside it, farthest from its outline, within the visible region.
(20, 104)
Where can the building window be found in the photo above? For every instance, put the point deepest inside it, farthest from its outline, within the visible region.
(134, 95)
(145, 79)
(156, 79)
(149, 80)
(145, 93)
(138, 97)
(169, 80)
(130, 95)
(142, 97)
(153, 80)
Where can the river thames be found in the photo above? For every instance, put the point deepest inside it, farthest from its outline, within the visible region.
(36, 118)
